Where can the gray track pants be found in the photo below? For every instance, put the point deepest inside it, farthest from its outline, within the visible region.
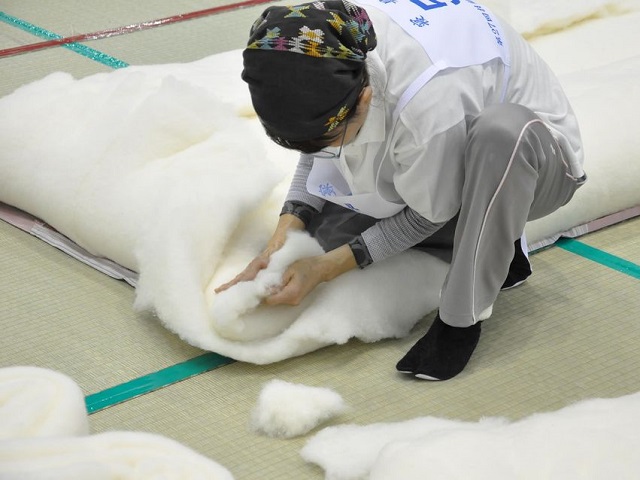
(514, 172)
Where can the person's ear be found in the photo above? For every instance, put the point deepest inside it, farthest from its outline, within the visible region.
(364, 100)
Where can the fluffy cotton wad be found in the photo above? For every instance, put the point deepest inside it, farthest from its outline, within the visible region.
(286, 410)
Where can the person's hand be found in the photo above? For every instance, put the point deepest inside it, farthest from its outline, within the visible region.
(298, 280)
(249, 273)
(286, 223)
(302, 276)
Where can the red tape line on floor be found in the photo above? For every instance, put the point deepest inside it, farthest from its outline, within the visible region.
(112, 32)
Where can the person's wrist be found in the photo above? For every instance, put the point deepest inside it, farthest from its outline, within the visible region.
(360, 252)
(288, 222)
(299, 210)
(336, 262)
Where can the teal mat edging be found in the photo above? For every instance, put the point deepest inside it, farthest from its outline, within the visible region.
(596, 255)
(83, 50)
(154, 381)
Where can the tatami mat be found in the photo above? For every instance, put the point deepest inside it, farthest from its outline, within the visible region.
(173, 43)
(571, 332)
(11, 37)
(179, 42)
(72, 17)
(622, 241)
(23, 69)
(59, 313)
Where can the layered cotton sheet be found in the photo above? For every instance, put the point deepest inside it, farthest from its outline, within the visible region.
(535, 18)
(165, 171)
(45, 435)
(594, 439)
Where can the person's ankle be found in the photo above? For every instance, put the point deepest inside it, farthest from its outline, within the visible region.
(442, 353)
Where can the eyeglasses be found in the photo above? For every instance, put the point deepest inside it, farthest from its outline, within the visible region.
(331, 155)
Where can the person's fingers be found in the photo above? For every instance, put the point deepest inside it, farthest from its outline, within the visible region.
(288, 293)
(228, 285)
(246, 275)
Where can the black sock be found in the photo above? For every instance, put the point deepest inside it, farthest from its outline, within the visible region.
(442, 352)
(519, 269)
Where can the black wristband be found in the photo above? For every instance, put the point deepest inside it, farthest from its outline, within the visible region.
(360, 252)
(298, 209)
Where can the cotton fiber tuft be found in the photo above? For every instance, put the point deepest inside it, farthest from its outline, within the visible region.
(287, 410)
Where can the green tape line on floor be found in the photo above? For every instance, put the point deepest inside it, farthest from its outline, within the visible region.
(599, 256)
(154, 381)
(83, 50)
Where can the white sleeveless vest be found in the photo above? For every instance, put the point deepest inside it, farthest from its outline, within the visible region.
(453, 33)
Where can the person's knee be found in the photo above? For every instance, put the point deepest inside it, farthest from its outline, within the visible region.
(500, 124)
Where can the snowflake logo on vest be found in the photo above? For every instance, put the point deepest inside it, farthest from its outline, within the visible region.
(420, 21)
(327, 190)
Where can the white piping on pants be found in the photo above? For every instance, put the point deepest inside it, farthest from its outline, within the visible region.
(484, 220)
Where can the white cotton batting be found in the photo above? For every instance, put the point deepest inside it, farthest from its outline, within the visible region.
(594, 439)
(106, 456)
(287, 410)
(44, 435)
(38, 402)
(228, 306)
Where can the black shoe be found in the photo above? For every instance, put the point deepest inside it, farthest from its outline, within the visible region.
(519, 269)
(442, 353)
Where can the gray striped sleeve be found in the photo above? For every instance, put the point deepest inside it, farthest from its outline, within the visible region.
(387, 237)
(398, 233)
(298, 190)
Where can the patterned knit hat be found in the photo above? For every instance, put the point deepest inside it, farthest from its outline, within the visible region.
(304, 66)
